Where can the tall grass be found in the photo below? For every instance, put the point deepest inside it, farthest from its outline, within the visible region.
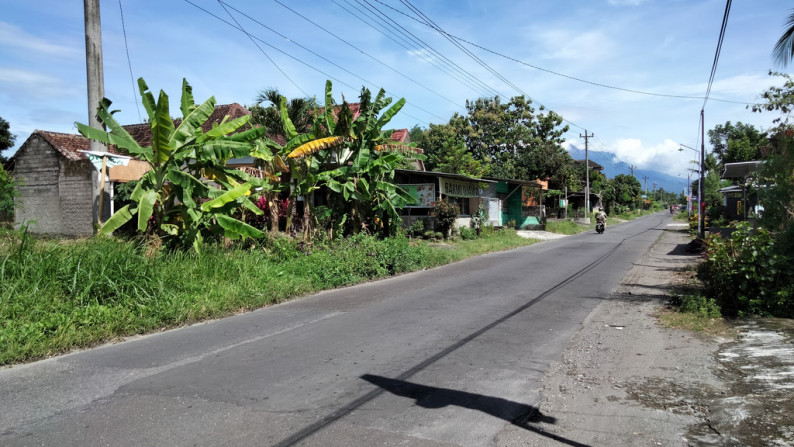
(60, 295)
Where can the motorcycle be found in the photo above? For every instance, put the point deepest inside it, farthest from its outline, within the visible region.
(599, 227)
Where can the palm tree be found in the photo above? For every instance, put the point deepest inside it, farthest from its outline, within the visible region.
(784, 48)
(299, 110)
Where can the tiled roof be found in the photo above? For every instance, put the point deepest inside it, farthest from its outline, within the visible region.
(70, 145)
(401, 135)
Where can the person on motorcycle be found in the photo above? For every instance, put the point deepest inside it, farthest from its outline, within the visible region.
(601, 216)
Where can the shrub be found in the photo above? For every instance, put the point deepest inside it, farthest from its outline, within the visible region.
(697, 304)
(446, 213)
(417, 228)
(468, 234)
(748, 273)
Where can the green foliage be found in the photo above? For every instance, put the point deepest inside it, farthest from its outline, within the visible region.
(8, 190)
(170, 200)
(468, 234)
(445, 213)
(749, 273)
(6, 137)
(479, 218)
(736, 142)
(417, 229)
(697, 304)
(56, 296)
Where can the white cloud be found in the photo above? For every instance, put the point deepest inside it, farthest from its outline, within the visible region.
(14, 37)
(663, 157)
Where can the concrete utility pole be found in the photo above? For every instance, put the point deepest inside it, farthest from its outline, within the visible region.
(587, 174)
(93, 65)
(701, 199)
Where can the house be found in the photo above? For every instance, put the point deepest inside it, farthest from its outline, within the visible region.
(516, 201)
(741, 200)
(59, 185)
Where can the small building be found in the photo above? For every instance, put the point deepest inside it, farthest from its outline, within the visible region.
(518, 202)
(741, 200)
(59, 184)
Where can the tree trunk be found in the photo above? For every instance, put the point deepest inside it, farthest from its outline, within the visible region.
(272, 200)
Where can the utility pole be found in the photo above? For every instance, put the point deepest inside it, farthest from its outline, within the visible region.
(587, 174)
(93, 65)
(701, 217)
(632, 170)
(96, 88)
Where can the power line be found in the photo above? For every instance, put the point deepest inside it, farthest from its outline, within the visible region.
(717, 53)
(129, 62)
(446, 35)
(261, 50)
(367, 54)
(327, 75)
(449, 66)
(574, 78)
(287, 38)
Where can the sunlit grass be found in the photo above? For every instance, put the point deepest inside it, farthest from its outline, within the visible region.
(61, 295)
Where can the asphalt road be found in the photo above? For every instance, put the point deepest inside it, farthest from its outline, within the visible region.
(448, 356)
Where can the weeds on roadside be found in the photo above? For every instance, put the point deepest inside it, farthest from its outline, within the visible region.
(60, 295)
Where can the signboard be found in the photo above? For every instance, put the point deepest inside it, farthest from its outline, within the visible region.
(456, 188)
(424, 195)
(563, 203)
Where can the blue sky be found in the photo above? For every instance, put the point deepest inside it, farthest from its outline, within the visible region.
(656, 46)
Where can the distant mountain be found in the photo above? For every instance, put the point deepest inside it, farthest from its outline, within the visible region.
(670, 183)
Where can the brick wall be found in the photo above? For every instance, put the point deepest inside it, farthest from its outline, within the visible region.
(56, 193)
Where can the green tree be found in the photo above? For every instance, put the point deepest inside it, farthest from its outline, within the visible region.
(8, 190)
(519, 141)
(299, 110)
(170, 200)
(6, 138)
(736, 142)
(622, 192)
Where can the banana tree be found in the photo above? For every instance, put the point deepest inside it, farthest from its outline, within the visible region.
(188, 190)
(365, 170)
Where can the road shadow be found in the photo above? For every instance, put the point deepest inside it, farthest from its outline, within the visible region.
(516, 413)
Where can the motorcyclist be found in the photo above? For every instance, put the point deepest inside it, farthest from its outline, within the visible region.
(601, 216)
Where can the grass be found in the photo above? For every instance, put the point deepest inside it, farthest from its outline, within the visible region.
(568, 227)
(58, 295)
(695, 322)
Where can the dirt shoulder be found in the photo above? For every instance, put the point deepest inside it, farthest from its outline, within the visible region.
(626, 380)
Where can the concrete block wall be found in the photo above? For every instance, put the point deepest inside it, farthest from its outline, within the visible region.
(57, 194)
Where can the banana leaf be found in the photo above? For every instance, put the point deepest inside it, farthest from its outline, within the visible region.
(330, 125)
(146, 208)
(236, 229)
(191, 123)
(289, 128)
(162, 128)
(249, 135)
(225, 128)
(118, 219)
(228, 196)
(188, 102)
(147, 99)
(222, 150)
(389, 114)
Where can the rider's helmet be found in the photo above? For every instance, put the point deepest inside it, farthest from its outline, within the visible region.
(600, 208)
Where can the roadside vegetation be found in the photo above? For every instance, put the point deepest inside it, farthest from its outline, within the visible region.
(59, 295)
(749, 269)
(194, 239)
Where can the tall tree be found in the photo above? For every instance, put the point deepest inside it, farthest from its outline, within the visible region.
(737, 142)
(299, 110)
(519, 141)
(6, 138)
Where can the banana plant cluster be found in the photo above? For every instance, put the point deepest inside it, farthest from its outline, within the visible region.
(188, 192)
(340, 153)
